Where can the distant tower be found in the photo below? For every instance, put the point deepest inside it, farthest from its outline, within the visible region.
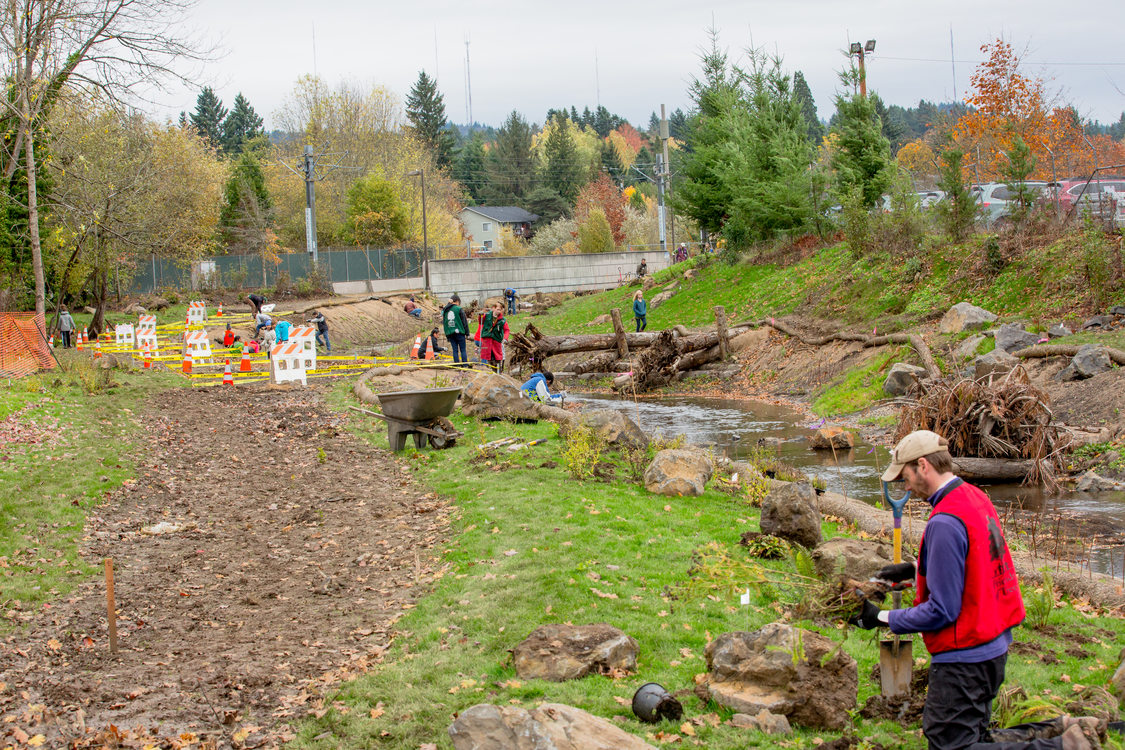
(468, 85)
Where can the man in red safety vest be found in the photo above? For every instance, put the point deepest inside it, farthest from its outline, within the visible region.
(967, 603)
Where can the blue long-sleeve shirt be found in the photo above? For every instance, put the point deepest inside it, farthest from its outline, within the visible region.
(640, 308)
(943, 564)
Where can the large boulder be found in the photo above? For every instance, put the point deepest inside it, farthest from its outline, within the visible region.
(679, 471)
(902, 378)
(551, 726)
(570, 652)
(827, 438)
(1058, 331)
(648, 283)
(764, 721)
(616, 427)
(1012, 337)
(498, 396)
(1088, 362)
(857, 559)
(1098, 321)
(659, 300)
(1091, 482)
(995, 364)
(1118, 678)
(965, 317)
(798, 673)
(789, 511)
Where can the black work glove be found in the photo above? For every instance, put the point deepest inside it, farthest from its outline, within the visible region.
(868, 617)
(897, 573)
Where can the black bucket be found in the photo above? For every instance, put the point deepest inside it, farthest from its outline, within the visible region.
(652, 703)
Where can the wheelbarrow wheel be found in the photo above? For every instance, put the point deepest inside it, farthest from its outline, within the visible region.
(441, 424)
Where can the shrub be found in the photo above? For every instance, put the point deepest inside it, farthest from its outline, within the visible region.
(583, 449)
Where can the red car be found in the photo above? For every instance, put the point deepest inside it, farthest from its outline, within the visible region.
(1071, 190)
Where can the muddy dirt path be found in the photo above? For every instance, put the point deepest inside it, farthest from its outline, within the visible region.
(298, 548)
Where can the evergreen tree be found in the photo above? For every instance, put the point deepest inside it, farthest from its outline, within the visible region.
(510, 165)
(183, 120)
(425, 108)
(1020, 166)
(804, 96)
(862, 159)
(247, 207)
(678, 124)
(958, 210)
(241, 125)
(547, 204)
(563, 172)
(611, 162)
(208, 117)
(469, 169)
(892, 123)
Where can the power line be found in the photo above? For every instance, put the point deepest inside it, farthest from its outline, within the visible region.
(978, 62)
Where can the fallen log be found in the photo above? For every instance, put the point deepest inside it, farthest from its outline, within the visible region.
(1064, 350)
(597, 363)
(995, 469)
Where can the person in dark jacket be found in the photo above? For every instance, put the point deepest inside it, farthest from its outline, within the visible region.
(511, 296)
(642, 269)
(321, 329)
(66, 327)
(966, 604)
(256, 301)
(640, 310)
(430, 343)
(456, 328)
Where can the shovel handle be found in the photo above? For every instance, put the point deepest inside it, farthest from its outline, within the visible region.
(897, 507)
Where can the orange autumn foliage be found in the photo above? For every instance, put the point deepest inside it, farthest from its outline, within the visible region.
(1007, 103)
(603, 194)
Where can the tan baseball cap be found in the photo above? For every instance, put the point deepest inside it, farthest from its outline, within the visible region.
(912, 447)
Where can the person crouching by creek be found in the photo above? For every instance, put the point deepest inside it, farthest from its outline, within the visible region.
(493, 333)
(538, 388)
(430, 344)
(640, 310)
(966, 604)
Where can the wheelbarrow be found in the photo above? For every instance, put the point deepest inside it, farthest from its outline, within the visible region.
(423, 414)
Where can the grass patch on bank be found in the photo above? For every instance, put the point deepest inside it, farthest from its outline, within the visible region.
(68, 435)
(858, 387)
(531, 546)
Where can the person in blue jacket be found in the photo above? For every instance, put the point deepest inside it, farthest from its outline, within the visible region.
(640, 310)
(511, 296)
(537, 388)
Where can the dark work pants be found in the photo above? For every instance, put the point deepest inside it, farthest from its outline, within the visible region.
(959, 709)
(457, 344)
(642, 323)
(65, 339)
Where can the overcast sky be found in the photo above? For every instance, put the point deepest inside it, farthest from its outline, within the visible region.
(531, 56)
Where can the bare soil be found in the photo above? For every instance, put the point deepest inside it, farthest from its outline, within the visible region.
(299, 548)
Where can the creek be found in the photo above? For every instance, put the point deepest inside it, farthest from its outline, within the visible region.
(735, 427)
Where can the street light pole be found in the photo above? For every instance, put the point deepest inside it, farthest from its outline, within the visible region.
(861, 51)
(425, 236)
(310, 204)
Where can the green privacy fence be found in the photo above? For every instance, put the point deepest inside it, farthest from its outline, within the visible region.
(251, 272)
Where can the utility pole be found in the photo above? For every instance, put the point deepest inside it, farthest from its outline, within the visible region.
(660, 201)
(667, 182)
(306, 170)
(425, 237)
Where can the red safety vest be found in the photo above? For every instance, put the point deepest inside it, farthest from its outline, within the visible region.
(991, 601)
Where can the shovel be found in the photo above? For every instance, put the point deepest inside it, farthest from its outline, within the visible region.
(896, 655)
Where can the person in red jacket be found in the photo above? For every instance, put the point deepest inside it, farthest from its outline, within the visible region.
(967, 602)
(493, 334)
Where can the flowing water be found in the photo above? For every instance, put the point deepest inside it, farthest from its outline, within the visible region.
(735, 426)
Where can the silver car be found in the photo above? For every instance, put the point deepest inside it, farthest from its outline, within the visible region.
(996, 199)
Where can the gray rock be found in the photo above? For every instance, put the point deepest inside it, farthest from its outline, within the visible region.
(902, 378)
(600, 320)
(764, 721)
(965, 317)
(1097, 322)
(648, 283)
(1117, 310)
(968, 347)
(551, 726)
(135, 309)
(1091, 482)
(89, 310)
(496, 395)
(790, 513)
(1088, 362)
(996, 364)
(827, 438)
(679, 471)
(570, 652)
(1057, 331)
(857, 559)
(796, 673)
(745, 471)
(1012, 337)
(659, 300)
(1118, 679)
(617, 428)
(689, 274)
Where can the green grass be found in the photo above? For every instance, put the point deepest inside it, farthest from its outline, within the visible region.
(83, 426)
(859, 387)
(530, 546)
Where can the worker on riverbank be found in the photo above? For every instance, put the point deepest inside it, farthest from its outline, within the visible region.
(967, 602)
(456, 329)
(538, 388)
(429, 344)
(493, 334)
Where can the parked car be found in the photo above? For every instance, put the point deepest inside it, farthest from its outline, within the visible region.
(996, 199)
(1070, 191)
(926, 199)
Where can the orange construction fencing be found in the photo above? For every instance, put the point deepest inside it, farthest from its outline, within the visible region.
(23, 345)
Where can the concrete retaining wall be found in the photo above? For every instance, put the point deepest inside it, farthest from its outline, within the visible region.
(479, 278)
(379, 286)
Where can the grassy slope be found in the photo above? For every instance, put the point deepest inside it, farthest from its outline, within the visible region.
(1040, 287)
(531, 546)
(46, 488)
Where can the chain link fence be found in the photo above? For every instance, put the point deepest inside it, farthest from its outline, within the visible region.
(252, 272)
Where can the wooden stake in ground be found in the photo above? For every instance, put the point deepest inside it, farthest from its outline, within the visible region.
(619, 332)
(111, 607)
(721, 329)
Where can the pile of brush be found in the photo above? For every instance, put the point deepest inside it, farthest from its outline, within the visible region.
(1006, 418)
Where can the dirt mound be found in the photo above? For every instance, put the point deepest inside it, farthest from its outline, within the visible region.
(260, 555)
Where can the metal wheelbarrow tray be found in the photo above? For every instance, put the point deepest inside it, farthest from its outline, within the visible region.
(422, 414)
